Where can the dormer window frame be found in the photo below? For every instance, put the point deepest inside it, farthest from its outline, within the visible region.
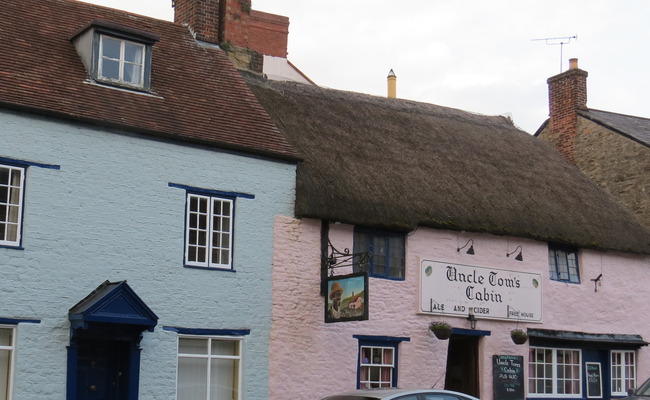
(89, 43)
(136, 61)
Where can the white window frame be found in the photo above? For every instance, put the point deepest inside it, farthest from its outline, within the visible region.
(626, 369)
(239, 340)
(12, 351)
(121, 61)
(12, 203)
(366, 382)
(199, 237)
(554, 373)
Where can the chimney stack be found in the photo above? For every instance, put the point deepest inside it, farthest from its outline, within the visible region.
(234, 22)
(567, 95)
(392, 85)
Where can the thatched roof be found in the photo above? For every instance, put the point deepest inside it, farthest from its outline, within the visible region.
(401, 164)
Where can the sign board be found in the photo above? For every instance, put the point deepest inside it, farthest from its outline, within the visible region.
(508, 377)
(347, 298)
(594, 381)
(457, 290)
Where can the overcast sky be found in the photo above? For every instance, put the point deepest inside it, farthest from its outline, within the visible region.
(476, 55)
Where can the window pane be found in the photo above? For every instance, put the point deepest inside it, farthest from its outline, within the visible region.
(224, 347)
(222, 379)
(111, 47)
(110, 69)
(133, 74)
(192, 378)
(6, 342)
(133, 53)
(192, 346)
(5, 366)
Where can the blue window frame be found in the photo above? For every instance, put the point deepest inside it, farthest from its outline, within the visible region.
(209, 226)
(12, 199)
(377, 361)
(563, 264)
(386, 250)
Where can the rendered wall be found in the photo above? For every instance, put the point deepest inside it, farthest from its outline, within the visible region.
(311, 359)
(109, 214)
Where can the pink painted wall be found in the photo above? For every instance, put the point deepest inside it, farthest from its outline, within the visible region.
(310, 359)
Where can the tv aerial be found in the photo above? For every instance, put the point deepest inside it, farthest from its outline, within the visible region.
(554, 41)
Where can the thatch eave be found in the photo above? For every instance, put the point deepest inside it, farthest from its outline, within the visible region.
(399, 164)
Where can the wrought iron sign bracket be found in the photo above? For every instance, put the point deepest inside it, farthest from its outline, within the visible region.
(340, 259)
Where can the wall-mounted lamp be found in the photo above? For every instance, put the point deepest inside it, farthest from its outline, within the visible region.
(518, 257)
(470, 251)
(472, 319)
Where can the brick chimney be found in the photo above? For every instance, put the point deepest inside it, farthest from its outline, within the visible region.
(203, 17)
(567, 94)
(245, 34)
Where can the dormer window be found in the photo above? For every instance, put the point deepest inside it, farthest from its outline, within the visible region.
(121, 61)
(116, 55)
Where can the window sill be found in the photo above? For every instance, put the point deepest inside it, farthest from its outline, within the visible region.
(123, 88)
(209, 268)
(8, 246)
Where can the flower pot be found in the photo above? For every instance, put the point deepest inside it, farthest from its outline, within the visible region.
(519, 337)
(442, 331)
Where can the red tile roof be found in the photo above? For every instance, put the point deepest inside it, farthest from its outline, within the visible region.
(198, 96)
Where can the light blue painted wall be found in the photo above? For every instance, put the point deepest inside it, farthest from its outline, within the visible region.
(108, 213)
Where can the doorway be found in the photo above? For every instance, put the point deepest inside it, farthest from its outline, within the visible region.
(103, 370)
(462, 365)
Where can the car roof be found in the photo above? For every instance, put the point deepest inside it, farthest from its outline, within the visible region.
(389, 393)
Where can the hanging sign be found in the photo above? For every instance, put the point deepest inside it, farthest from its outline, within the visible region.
(347, 298)
(490, 293)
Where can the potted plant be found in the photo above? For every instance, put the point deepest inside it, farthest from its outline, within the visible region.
(518, 336)
(441, 329)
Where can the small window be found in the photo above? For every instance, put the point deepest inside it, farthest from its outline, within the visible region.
(386, 253)
(563, 264)
(376, 367)
(554, 372)
(116, 55)
(623, 372)
(121, 61)
(12, 180)
(208, 368)
(7, 340)
(208, 233)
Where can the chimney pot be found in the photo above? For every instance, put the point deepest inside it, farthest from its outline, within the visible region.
(573, 63)
(392, 85)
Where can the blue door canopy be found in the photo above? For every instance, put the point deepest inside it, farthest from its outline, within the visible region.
(112, 303)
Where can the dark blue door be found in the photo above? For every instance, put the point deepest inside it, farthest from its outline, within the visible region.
(103, 370)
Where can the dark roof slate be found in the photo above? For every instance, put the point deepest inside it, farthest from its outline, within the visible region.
(401, 164)
(198, 96)
(636, 128)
